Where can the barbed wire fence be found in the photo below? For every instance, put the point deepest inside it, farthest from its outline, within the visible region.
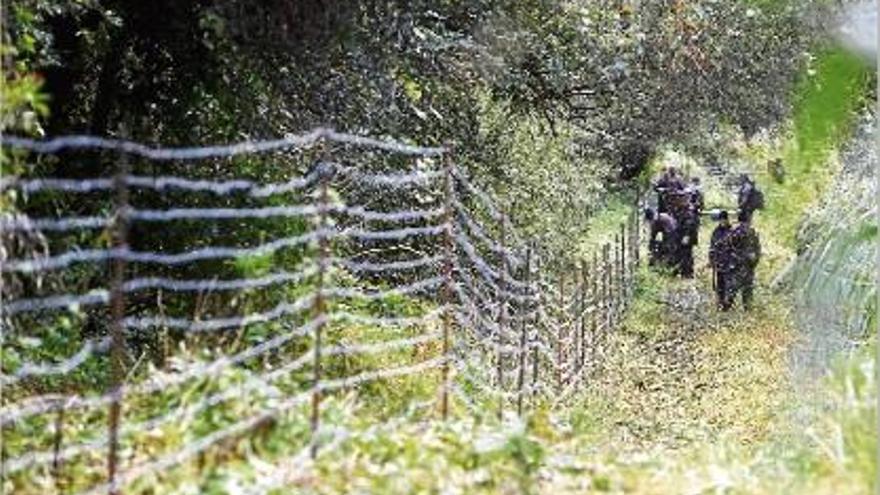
(493, 324)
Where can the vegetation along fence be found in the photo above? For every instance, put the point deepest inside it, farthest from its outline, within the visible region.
(243, 301)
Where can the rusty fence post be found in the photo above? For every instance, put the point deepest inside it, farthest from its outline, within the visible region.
(319, 305)
(608, 315)
(539, 321)
(595, 341)
(622, 267)
(575, 304)
(117, 315)
(502, 316)
(449, 262)
(56, 449)
(638, 228)
(633, 252)
(559, 331)
(523, 333)
(582, 320)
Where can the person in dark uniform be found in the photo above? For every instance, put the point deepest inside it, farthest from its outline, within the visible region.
(668, 182)
(663, 250)
(697, 204)
(682, 210)
(746, 248)
(749, 197)
(721, 259)
(689, 224)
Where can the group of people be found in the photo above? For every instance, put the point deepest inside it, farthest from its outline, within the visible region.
(734, 250)
(675, 223)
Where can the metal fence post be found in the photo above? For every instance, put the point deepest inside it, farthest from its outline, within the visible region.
(595, 308)
(633, 251)
(502, 315)
(606, 288)
(559, 332)
(319, 308)
(56, 449)
(582, 319)
(449, 253)
(637, 228)
(539, 309)
(622, 267)
(629, 257)
(637, 241)
(618, 274)
(117, 315)
(520, 382)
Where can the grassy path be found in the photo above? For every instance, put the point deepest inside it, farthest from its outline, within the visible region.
(692, 400)
(688, 400)
(682, 372)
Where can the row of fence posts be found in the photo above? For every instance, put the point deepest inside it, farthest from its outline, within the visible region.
(600, 292)
(118, 269)
(602, 288)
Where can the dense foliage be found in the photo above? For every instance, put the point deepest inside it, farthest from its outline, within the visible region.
(557, 106)
(529, 92)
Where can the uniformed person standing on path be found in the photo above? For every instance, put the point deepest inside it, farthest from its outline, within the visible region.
(685, 214)
(721, 259)
(749, 197)
(746, 247)
(697, 204)
(664, 250)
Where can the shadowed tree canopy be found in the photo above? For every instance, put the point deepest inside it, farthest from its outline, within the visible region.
(622, 72)
(529, 91)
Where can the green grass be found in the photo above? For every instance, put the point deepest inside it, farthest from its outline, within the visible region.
(826, 103)
(708, 417)
(604, 225)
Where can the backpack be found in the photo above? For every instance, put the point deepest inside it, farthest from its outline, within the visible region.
(759, 198)
(750, 197)
(746, 245)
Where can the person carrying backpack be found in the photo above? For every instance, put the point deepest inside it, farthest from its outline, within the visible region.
(749, 197)
(746, 249)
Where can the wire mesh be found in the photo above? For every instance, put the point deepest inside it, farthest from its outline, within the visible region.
(302, 310)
